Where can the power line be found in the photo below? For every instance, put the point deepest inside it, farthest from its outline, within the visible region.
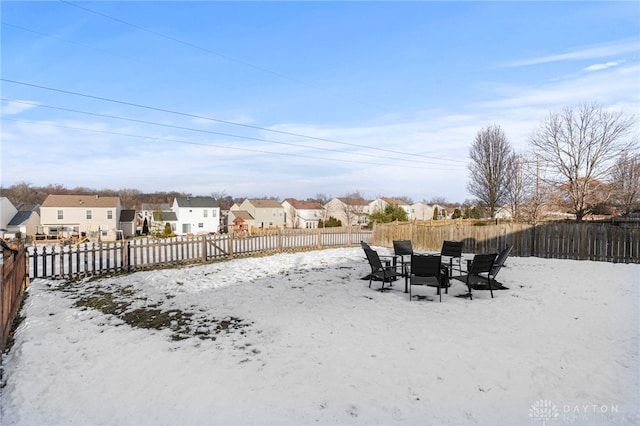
(203, 49)
(155, 138)
(185, 43)
(86, 46)
(172, 126)
(200, 117)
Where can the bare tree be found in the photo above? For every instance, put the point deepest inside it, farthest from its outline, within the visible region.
(625, 182)
(323, 200)
(490, 155)
(516, 186)
(536, 192)
(580, 145)
(353, 209)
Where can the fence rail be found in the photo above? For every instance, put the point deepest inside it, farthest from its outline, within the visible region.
(560, 240)
(89, 259)
(13, 272)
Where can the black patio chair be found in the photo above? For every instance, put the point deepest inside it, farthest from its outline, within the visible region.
(452, 250)
(426, 270)
(403, 249)
(384, 273)
(500, 260)
(480, 270)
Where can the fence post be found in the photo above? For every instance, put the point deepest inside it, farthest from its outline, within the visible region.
(230, 246)
(204, 247)
(125, 256)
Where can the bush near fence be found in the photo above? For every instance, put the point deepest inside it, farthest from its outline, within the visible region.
(559, 240)
(88, 259)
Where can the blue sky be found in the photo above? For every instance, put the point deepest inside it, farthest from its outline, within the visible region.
(292, 99)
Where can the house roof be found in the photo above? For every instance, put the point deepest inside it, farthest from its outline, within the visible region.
(156, 206)
(24, 207)
(242, 214)
(304, 205)
(20, 218)
(354, 201)
(165, 216)
(198, 202)
(394, 201)
(265, 203)
(54, 200)
(127, 216)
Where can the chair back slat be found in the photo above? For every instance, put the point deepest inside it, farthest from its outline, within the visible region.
(452, 248)
(482, 263)
(425, 266)
(373, 258)
(499, 263)
(402, 247)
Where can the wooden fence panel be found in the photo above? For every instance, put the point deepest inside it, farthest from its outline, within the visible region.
(15, 279)
(89, 259)
(559, 240)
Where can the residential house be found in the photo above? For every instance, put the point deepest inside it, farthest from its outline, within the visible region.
(92, 215)
(7, 211)
(302, 214)
(421, 211)
(150, 211)
(128, 223)
(196, 215)
(241, 221)
(266, 214)
(380, 204)
(350, 211)
(25, 223)
(503, 212)
(162, 217)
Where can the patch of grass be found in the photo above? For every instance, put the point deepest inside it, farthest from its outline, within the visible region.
(104, 302)
(183, 325)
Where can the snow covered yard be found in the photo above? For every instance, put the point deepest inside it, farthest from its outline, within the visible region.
(301, 339)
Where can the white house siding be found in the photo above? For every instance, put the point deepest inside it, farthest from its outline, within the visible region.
(302, 214)
(421, 211)
(7, 212)
(379, 204)
(196, 215)
(358, 210)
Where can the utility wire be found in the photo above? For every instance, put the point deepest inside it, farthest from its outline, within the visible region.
(185, 43)
(172, 126)
(86, 46)
(194, 46)
(199, 143)
(200, 117)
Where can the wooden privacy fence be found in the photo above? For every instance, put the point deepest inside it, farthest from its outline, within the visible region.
(15, 279)
(559, 240)
(89, 259)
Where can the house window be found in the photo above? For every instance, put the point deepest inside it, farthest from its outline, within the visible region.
(200, 225)
(109, 214)
(214, 213)
(206, 213)
(60, 215)
(88, 214)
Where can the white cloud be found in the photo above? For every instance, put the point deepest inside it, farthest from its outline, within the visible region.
(619, 47)
(16, 107)
(604, 66)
